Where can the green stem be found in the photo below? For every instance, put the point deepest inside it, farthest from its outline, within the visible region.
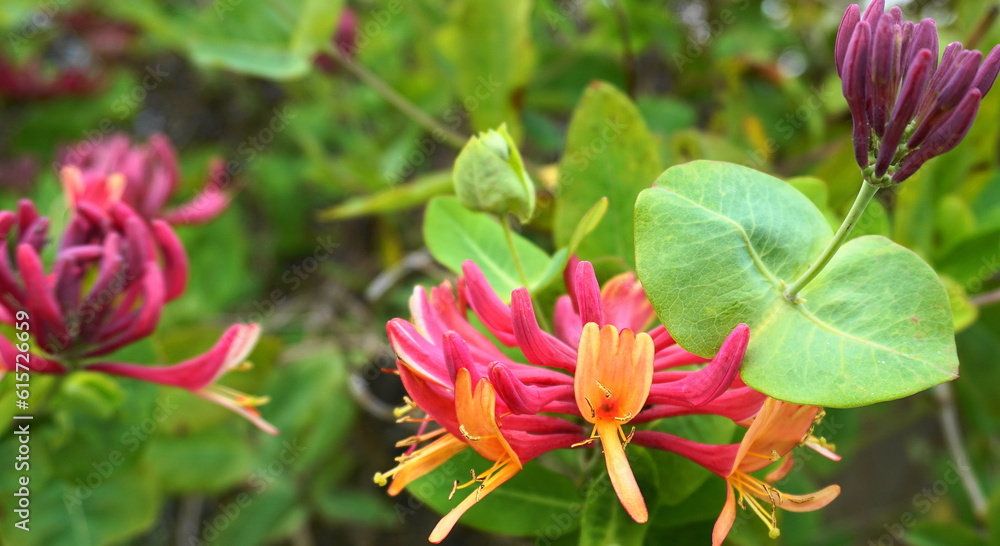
(509, 234)
(865, 196)
(412, 111)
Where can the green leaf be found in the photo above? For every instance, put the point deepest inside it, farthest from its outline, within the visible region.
(973, 261)
(394, 199)
(535, 501)
(941, 533)
(207, 462)
(454, 234)
(963, 311)
(679, 476)
(609, 153)
(604, 519)
(265, 39)
(715, 244)
(488, 43)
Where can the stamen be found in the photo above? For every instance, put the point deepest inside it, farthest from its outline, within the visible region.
(607, 391)
(461, 428)
(454, 487)
(626, 419)
(593, 414)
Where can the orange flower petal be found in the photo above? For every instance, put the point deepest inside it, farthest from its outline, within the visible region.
(446, 524)
(808, 503)
(726, 518)
(476, 413)
(423, 461)
(620, 472)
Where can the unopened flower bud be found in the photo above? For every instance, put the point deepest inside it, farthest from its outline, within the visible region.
(489, 176)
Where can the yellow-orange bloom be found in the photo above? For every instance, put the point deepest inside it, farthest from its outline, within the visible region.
(614, 372)
(779, 427)
(476, 412)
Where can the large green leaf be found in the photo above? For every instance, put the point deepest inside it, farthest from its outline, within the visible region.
(679, 476)
(715, 245)
(609, 153)
(266, 39)
(536, 501)
(454, 234)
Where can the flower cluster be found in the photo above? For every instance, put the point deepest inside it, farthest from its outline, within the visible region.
(117, 264)
(907, 108)
(605, 366)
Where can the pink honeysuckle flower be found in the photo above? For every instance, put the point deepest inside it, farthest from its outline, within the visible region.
(777, 428)
(106, 289)
(440, 341)
(143, 176)
(201, 374)
(441, 386)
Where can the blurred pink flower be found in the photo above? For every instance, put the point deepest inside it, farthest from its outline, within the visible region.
(149, 176)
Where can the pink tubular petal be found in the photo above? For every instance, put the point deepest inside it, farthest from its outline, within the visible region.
(539, 347)
(418, 354)
(488, 307)
(452, 317)
(205, 206)
(137, 324)
(46, 317)
(587, 294)
(520, 398)
(566, 322)
(716, 458)
(708, 383)
(196, 373)
(175, 262)
(739, 405)
(625, 303)
(9, 360)
(457, 356)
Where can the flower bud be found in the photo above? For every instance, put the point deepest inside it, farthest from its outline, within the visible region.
(489, 176)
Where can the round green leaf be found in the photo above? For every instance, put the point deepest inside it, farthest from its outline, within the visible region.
(715, 245)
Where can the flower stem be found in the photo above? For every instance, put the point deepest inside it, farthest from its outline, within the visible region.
(864, 197)
(509, 233)
(944, 393)
(412, 111)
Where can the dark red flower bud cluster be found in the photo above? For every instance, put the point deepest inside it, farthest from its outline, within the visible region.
(907, 107)
(117, 264)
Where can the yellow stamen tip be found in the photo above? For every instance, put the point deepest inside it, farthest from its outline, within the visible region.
(774, 533)
(380, 479)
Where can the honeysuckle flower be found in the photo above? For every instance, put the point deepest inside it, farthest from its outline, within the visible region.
(777, 428)
(600, 345)
(906, 107)
(439, 380)
(143, 176)
(201, 374)
(106, 290)
(613, 375)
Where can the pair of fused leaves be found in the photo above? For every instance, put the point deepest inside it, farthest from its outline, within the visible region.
(715, 245)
